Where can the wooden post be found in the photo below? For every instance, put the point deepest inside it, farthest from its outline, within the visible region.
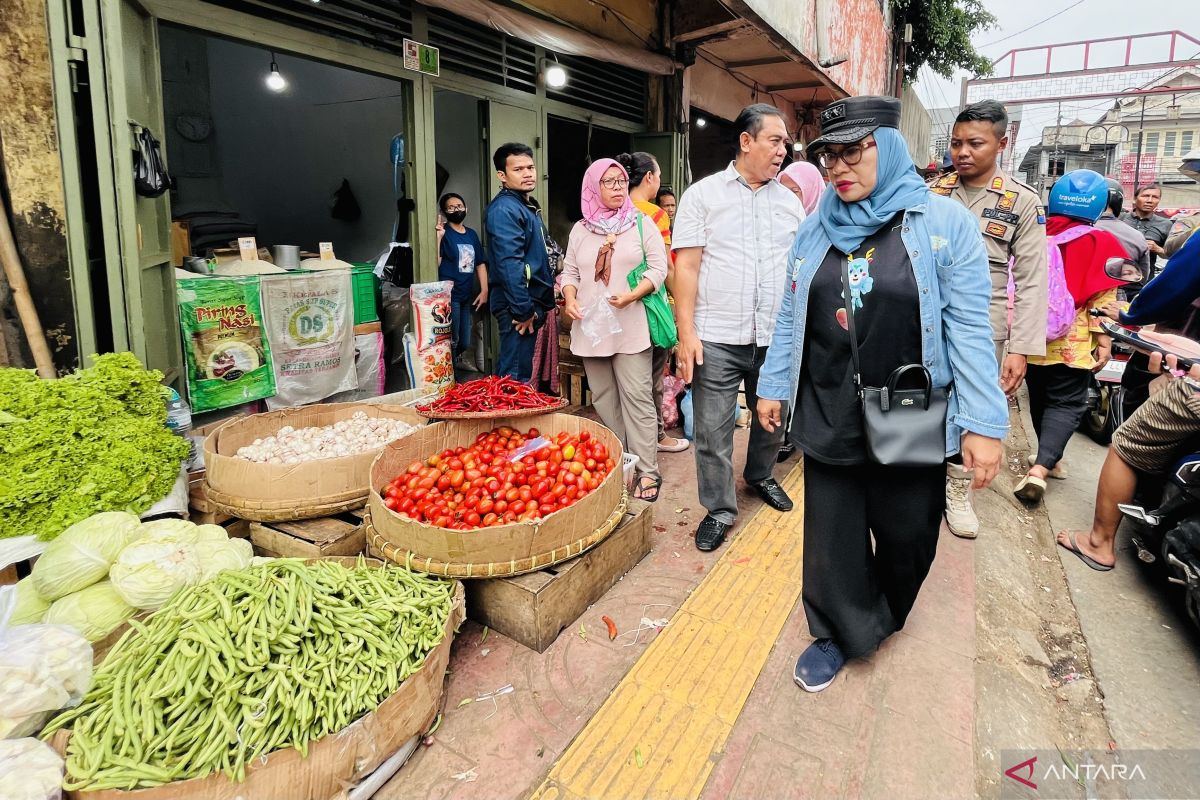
(15, 275)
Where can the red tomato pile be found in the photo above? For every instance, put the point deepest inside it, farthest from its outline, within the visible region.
(481, 485)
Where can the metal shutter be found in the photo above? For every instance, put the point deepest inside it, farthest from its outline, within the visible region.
(602, 87)
(478, 51)
(380, 24)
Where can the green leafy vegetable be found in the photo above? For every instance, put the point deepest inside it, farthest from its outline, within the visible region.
(92, 441)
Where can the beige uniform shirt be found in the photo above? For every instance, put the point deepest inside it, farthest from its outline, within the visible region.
(1182, 228)
(1013, 224)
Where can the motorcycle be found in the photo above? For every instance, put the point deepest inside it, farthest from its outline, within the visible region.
(1105, 401)
(1167, 518)
(1169, 527)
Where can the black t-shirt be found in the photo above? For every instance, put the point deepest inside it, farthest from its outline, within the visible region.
(827, 423)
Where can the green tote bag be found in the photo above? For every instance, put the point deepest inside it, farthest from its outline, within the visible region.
(658, 312)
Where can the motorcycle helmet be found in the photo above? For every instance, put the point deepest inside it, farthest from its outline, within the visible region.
(947, 162)
(1080, 194)
(1116, 196)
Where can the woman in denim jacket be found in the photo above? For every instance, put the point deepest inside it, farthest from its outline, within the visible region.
(919, 291)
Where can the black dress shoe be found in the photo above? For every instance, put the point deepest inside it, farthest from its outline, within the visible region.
(773, 494)
(711, 533)
(785, 452)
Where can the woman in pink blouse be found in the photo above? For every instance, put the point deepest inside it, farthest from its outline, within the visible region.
(609, 329)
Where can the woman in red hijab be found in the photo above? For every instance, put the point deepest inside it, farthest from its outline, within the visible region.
(1092, 262)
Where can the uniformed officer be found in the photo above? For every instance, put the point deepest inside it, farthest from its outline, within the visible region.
(1013, 224)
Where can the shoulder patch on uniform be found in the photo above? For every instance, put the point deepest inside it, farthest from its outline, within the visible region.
(948, 181)
(1003, 216)
(1041, 215)
(995, 229)
(997, 183)
(944, 191)
(1007, 202)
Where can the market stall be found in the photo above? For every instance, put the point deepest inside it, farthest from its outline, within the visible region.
(292, 640)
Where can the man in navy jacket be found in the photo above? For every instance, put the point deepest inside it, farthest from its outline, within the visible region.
(522, 286)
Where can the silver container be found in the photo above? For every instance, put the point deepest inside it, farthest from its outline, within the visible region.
(286, 256)
(196, 264)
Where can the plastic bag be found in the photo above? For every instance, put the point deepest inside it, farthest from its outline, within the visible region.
(310, 325)
(431, 312)
(32, 770)
(689, 421)
(228, 357)
(43, 668)
(431, 368)
(599, 321)
(672, 388)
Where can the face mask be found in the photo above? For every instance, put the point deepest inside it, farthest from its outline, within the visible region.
(456, 216)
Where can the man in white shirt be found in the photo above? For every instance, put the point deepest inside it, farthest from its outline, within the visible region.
(733, 231)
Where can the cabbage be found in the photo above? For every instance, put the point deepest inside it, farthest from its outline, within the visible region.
(214, 533)
(82, 554)
(21, 603)
(169, 530)
(32, 770)
(229, 554)
(95, 611)
(150, 571)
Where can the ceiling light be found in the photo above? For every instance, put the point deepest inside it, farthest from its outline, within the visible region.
(797, 146)
(701, 122)
(275, 81)
(556, 76)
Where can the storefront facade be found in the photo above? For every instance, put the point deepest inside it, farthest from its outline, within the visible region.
(630, 74)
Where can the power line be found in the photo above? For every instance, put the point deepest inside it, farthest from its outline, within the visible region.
(1034, 25)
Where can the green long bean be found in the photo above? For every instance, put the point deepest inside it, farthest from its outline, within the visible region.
(256, 660)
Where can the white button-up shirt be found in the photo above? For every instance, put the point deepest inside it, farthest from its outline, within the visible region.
(746, 236)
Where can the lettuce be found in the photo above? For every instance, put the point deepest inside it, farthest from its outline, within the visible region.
(93, 441)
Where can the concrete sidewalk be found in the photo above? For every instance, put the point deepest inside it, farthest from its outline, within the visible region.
(992, 659)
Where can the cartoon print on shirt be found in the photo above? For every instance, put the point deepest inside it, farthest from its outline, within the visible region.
(861, 284)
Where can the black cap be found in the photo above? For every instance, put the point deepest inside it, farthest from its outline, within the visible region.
(850, 120)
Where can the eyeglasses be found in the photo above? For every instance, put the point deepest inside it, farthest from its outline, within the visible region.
(456, 208)
(614, 183)
(849, 156)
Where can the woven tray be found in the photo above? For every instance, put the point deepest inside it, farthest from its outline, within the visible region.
(284, 511)
(524, 412)
(500, 569)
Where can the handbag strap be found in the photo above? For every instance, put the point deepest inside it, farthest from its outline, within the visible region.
(846, 298)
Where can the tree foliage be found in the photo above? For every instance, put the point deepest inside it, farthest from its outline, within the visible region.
(942, 32)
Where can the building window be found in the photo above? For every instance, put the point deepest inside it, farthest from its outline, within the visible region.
(1169, 144)
(1185, 143)
(1150, 143)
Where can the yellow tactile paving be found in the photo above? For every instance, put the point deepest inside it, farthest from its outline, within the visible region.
(673, 712)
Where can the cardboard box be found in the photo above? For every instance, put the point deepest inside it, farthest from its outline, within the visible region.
(471, 552)
(291, 487)
(534, 608)
(335, 762)
(341, 535)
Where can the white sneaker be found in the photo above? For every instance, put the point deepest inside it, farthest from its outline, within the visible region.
(960, 515)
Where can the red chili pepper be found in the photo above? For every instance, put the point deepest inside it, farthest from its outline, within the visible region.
(490, 394)
(612, 626)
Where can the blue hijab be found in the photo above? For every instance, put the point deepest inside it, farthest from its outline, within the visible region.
(897, 187)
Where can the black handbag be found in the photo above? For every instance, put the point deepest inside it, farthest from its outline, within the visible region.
(904, 427)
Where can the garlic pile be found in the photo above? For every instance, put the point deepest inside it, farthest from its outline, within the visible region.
(359, 434)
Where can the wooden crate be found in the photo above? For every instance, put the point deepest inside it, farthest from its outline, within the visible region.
(534, 608)
(573, 385)
(339, 535)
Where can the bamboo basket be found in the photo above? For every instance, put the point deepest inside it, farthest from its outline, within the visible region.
(520, 413)
(503, 549)
(285, 492)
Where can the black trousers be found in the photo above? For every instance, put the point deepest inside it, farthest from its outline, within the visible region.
(854, 593)
(1057, 403)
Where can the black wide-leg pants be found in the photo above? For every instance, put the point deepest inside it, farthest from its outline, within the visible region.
(854, 593)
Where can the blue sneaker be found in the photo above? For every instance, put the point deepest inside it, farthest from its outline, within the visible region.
(818, 665)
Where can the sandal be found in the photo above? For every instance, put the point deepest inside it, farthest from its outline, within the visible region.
(647, 491)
